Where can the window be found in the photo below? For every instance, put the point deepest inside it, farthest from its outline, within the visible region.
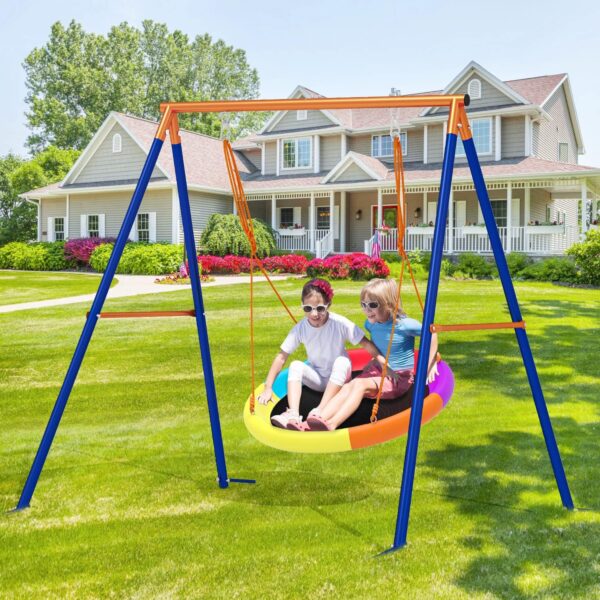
(499, 212)
(297, 153)
(301, 115)
(59, 229)
(286, 218)
(474, 89)
(382, 145)
(481, 130)
(116, 142)
(143, 227)
(563, 152)
(93, 226)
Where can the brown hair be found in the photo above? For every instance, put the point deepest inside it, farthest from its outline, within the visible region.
(384, 291)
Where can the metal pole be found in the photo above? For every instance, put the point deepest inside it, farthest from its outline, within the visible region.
(190, 245)
(88, 328)
(515, 312)
(414, 429)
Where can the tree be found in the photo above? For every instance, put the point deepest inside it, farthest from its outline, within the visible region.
(17, 176)
(77, 78)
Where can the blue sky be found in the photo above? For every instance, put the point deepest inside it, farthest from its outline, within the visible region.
(339, 49)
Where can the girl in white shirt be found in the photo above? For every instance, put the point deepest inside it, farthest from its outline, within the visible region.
(324, 335)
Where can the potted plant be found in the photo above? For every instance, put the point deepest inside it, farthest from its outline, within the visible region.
(296, 229)
(478, 229)
(422, 229)
(544, 228)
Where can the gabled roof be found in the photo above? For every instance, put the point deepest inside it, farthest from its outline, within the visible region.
(203, 155)
(373, 168)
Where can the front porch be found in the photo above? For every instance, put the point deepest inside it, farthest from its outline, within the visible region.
(542, 217)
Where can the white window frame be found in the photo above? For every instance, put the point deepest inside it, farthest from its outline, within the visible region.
(88, 229)
(54, 232)
(297, 215)
(296, 167)
(117, 143)
(301, 115)
(472, 95)
(137, 226)
(460, 150)
(403, 143)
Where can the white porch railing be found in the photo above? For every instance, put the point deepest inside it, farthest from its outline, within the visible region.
(549, 240)
(304, 240)
(324, 246)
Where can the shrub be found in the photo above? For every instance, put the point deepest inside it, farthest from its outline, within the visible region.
(552, 269)
(587, 257)
(306, 254)
(289, 263)
(55, 256)
(79, 250)
(44, 256)
(224, 235)
(140, 258)
(517, 263)
(447, 268)
(356, 266)
(474, 266)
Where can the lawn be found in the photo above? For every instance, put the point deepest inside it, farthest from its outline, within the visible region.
(127, 504)
(29, 286)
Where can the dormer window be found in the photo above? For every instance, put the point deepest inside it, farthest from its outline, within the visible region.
(301, 115)
(297, 153)
(474, 89)
(116, 142)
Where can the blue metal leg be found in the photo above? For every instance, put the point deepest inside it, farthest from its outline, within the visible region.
(414, 429)
(88, 329)
(190, 247)
(515, 313)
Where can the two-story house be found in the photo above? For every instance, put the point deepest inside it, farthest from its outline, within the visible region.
(324, 179)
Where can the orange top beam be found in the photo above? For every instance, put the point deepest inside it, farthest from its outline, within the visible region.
(476, 326)
(316, 103)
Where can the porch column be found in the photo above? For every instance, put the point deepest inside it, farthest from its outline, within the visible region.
(235, 209)
(343, 221)
(450, 228)
(584, 226)
(273, 212)
(508, 218)
(424, 210)
(379, 222)
(331, 205)
(39, 220)
(527, 216)
(311, 221)
(66, 228)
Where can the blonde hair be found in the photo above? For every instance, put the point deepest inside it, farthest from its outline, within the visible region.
(384, 291)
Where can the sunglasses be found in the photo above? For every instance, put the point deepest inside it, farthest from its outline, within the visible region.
(320, 308)
(370, 304)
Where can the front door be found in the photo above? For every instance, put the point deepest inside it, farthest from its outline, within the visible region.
(390, 217)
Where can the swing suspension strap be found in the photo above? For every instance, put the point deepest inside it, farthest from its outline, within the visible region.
(243, 211)
(400, 200)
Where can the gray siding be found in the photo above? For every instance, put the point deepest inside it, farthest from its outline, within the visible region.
(52, 207)
(270, 158)
(360, 144)
(106, 165)
(549, 134)
(435, 143)
(314, 118)
(359, 231)
(354, 173)
(414, 142)
(114, 205)
(254, 156)
(331, 151)
(513, 137)
(202, 206)
(539, 199)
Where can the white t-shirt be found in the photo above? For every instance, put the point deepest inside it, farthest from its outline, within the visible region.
(323, 344)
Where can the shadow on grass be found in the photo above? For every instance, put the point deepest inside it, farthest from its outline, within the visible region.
(535, 548)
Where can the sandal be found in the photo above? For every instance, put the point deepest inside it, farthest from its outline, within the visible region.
(318, 423)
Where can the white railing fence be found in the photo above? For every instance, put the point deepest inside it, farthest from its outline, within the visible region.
(324, 246)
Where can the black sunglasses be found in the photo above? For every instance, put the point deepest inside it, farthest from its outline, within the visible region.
(370, 304)
(320, 308)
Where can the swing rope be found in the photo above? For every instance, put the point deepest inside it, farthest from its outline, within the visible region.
(243, 211)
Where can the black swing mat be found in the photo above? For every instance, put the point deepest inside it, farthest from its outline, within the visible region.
(310, 399)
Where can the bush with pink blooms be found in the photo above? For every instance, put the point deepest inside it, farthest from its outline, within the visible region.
(233, 265)
(79, 250)
(357, 266)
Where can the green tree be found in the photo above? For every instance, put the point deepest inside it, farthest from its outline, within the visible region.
(77, 78)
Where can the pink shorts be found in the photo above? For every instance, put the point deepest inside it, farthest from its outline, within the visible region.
(392, 388)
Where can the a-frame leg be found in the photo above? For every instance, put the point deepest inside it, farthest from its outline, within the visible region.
(515, 313)
(88, 329)
(414, 429)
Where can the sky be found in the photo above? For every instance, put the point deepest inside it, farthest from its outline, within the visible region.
(340, 49)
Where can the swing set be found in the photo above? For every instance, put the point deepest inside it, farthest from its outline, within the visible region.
(423, 408)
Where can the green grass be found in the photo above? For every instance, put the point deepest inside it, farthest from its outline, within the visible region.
(17, 287)
(127, 504)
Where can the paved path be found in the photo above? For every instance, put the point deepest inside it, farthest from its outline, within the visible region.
(135, 285)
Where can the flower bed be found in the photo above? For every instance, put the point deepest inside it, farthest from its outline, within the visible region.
(348, 266)
(233, 265)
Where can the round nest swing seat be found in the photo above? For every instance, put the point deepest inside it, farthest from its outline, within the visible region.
(357, 432)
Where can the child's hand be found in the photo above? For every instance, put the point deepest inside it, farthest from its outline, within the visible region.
(433, 373)
(265, 396)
